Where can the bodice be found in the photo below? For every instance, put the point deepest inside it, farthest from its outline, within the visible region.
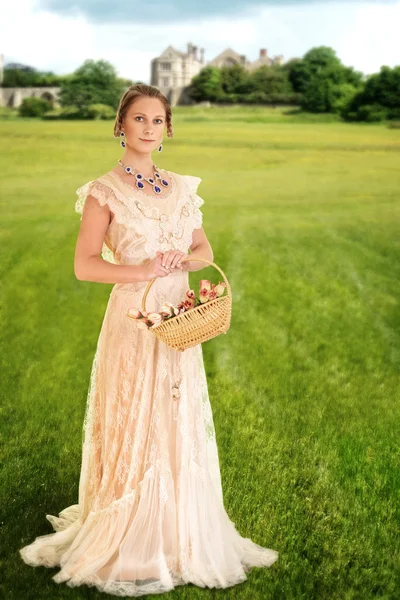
(141, 225)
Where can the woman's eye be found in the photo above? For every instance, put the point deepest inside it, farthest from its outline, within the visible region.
(160, 120)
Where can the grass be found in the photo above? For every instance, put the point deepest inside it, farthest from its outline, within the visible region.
(304, 221)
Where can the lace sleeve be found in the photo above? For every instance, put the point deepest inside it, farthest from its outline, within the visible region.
(193, 183)
(102, 193)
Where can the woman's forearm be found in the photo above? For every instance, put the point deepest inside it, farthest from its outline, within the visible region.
(101, 271)
(201, 251)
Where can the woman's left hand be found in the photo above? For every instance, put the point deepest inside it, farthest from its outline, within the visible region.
(172, 259)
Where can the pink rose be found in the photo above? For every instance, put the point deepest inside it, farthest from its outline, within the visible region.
(191, 294)
(205, 284)
(134, 313)
(141, 324)
(154, 317)
(189, 304)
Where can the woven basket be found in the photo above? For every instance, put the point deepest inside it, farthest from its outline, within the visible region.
(198, 324)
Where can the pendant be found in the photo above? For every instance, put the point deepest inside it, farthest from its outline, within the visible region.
(140, 178)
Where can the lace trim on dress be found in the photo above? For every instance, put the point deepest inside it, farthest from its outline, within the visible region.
(192, 183)
(103, 193)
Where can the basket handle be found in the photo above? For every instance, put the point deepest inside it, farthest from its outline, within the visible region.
(228, 287)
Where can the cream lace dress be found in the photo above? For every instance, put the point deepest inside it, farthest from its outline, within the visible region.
(150, 513)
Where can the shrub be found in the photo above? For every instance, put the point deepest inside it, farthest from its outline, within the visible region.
(372, 113)
(100, 111)
(66, 112)
(33, 107)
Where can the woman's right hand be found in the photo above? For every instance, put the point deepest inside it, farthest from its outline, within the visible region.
(155, 269)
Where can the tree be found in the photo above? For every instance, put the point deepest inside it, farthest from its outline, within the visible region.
(321, 77)
(95, 82)
(20, 75)
(270, 80)
(379, 99)
(206, 85)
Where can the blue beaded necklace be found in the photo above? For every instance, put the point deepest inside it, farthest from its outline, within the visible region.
(154, 181)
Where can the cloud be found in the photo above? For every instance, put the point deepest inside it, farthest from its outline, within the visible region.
(148, 12)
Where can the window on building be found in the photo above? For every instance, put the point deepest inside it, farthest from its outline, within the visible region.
(165, 66)
(165, 81)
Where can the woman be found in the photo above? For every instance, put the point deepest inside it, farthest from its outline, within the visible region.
(150, 514)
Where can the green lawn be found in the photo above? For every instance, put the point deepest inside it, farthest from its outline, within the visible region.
(304, 220)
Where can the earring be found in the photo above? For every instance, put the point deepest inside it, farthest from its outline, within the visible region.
(160, 148)
(122, 135)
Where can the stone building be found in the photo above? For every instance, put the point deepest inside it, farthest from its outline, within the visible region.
(173, 70)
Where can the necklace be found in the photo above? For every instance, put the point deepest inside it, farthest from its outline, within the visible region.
(140, 178)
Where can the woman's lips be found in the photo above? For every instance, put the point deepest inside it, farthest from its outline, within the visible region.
(146, 140)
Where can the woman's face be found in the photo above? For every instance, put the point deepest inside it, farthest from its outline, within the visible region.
(145, 120)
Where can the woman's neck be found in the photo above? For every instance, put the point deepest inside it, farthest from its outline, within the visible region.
(139, 161)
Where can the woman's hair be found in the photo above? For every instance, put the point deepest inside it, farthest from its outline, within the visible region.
(137, 91)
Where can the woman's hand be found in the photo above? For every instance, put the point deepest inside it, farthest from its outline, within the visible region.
(171, 259)
(164, 264)
(154, 268)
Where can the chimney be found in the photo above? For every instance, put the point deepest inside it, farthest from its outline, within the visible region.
(263, 53)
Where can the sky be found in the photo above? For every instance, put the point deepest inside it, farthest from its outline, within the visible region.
(59, 35)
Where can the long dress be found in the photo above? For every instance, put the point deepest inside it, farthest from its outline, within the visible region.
(150, 513)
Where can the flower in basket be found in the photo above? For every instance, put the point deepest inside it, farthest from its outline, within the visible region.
(154, 318)
(210, 291)
(168, 310)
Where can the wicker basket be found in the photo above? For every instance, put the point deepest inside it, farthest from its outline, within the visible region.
(198, 324)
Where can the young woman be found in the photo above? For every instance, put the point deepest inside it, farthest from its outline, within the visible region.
(150, 514)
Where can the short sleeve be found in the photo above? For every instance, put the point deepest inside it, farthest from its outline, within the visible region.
(193, 183)
(94, 188)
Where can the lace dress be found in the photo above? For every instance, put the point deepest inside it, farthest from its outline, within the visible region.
(150, 513)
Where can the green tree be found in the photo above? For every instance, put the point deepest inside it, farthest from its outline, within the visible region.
(206, 85)
(321, 77)
(234, 79)
(379, 98)
(20, 75)
(95, 82)
(270, 80)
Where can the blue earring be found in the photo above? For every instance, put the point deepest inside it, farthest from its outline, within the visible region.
(160, 148)
(122, 135)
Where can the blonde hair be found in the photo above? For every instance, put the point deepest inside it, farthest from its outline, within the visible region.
(137, 91)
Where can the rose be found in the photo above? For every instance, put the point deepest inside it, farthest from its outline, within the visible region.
(220, 288)
(167, 309)
(154, 318)
(205, 284)
(134, 313)
(189, 303)
(142, 324)
(191, 294)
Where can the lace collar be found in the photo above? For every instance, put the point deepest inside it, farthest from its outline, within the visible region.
(144, 209)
